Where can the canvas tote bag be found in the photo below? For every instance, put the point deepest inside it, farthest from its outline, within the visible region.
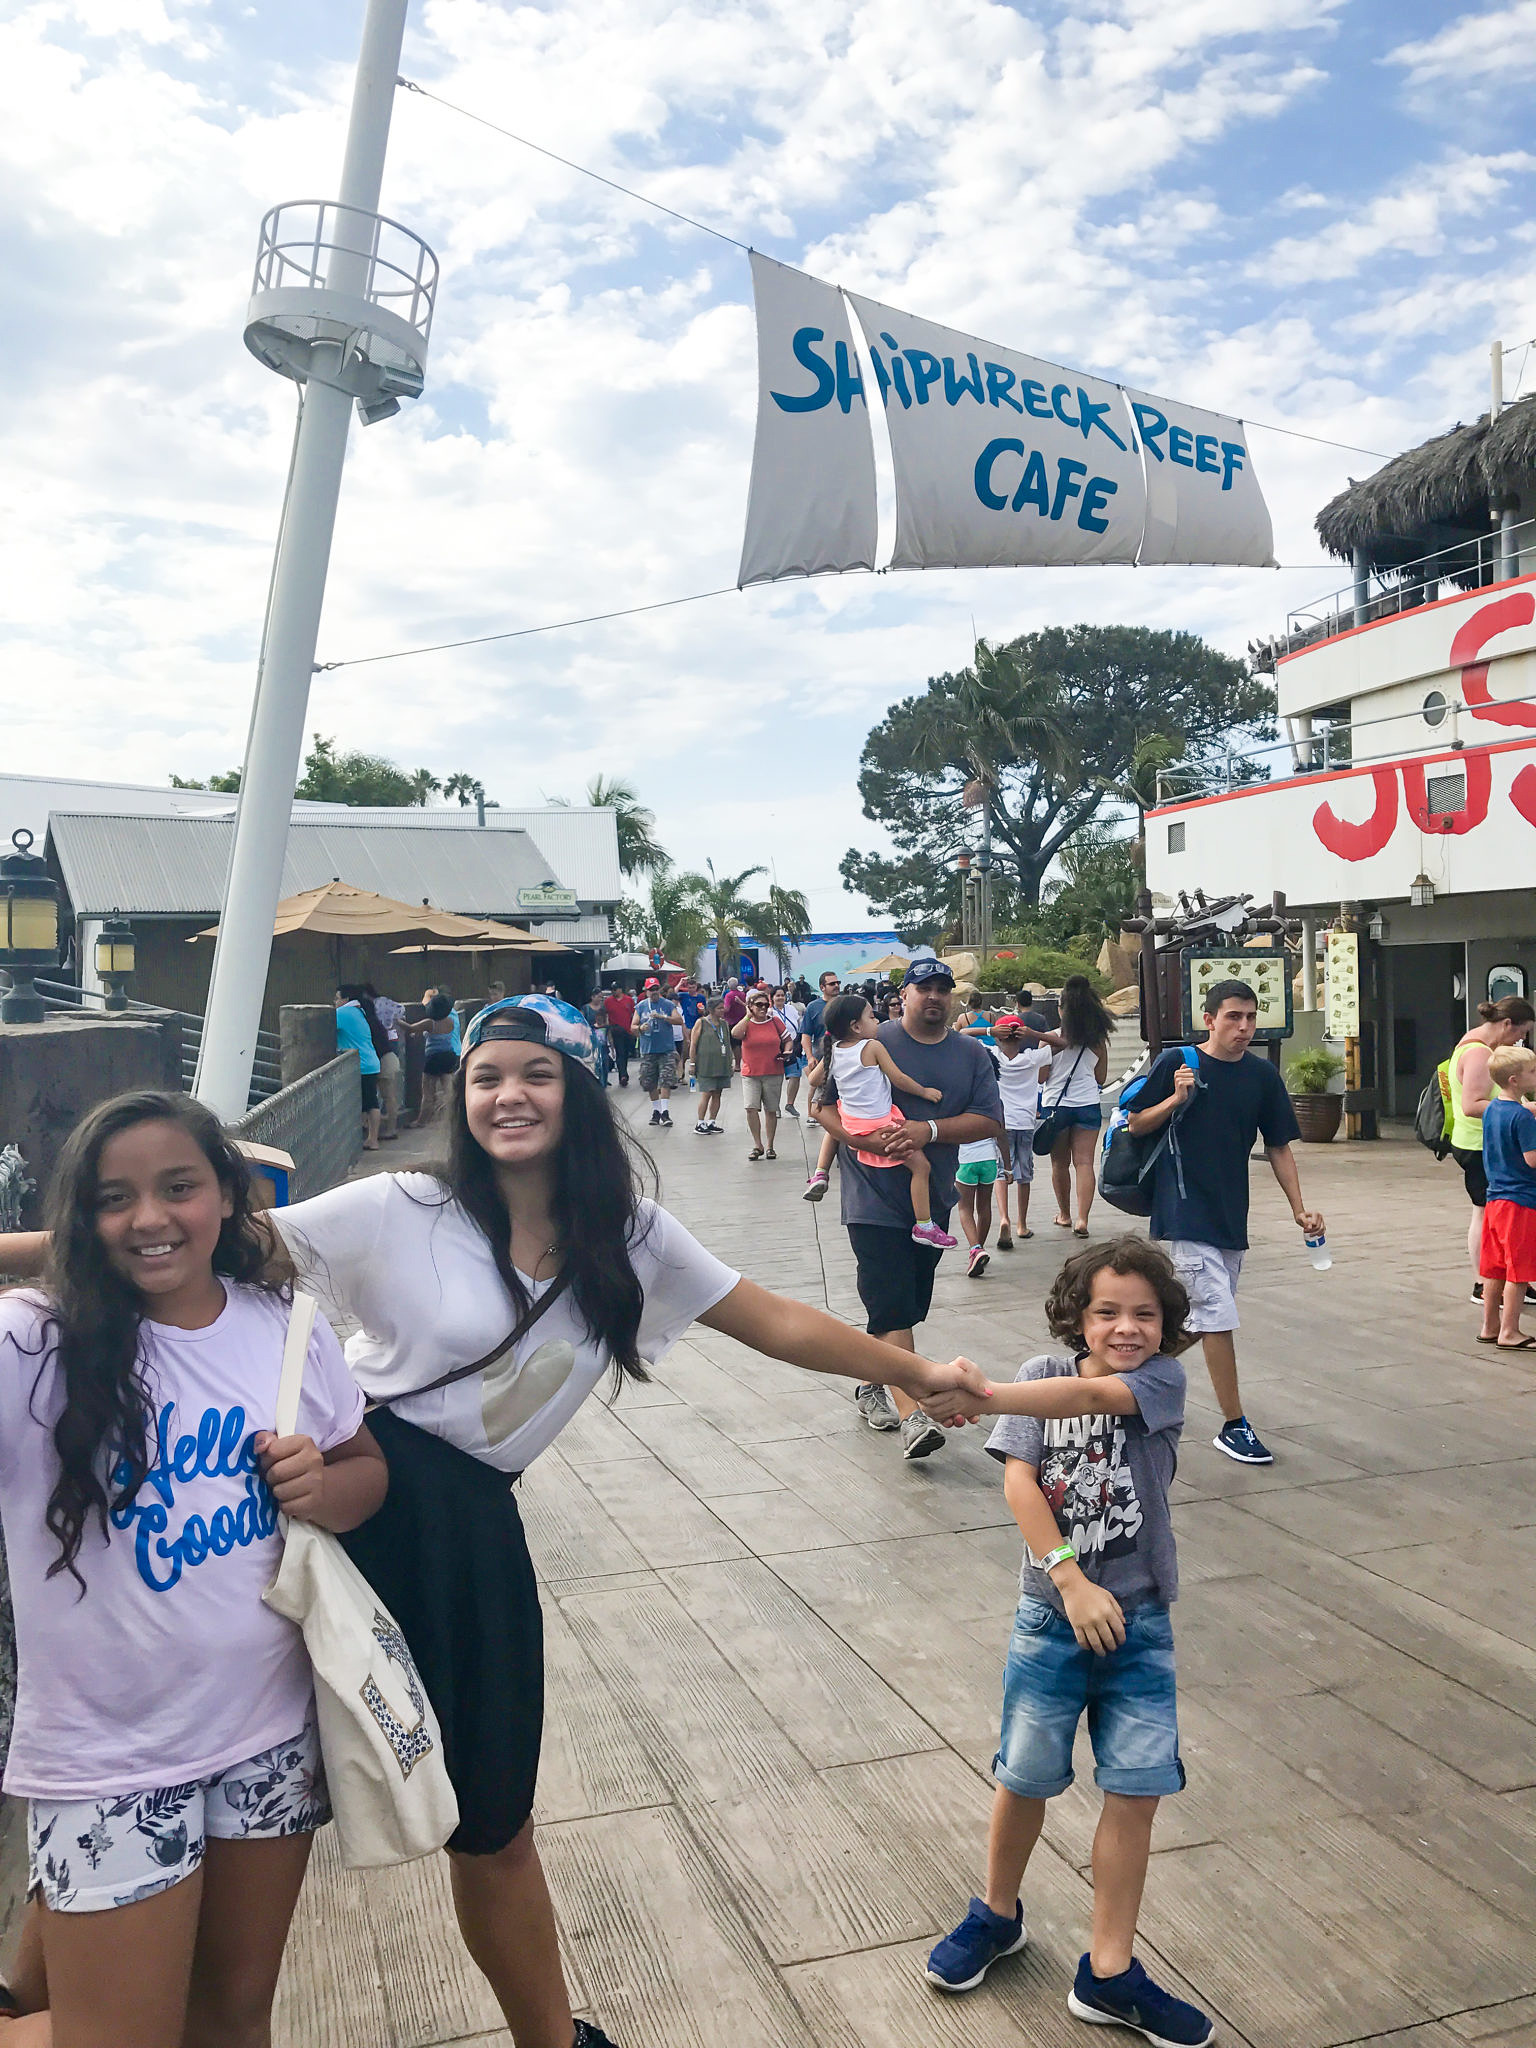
(378, 1734)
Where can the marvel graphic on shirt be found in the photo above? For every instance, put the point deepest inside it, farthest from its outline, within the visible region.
(1085, 1476)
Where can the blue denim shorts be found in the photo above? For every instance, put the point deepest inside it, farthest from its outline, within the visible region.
(1130, 1697)
(1086, 1116)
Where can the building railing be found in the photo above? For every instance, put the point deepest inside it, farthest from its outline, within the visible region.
(266, 1069)
(1332, 747)
(317, 1120)
(1382, 593)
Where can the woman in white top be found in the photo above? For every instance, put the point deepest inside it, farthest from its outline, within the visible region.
(1078, 1073)
(537, 1212)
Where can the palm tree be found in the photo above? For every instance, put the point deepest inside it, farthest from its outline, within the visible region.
(727, 911)
(671, 919)
(425, 784)
(465, 787)
(639, 848)
(780, 921)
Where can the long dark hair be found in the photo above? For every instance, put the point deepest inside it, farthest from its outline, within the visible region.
(104, 1429)
(600, 1176)
(1084, 1019)
(354, 992)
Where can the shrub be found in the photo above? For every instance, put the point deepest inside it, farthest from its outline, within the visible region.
(1310, 1072)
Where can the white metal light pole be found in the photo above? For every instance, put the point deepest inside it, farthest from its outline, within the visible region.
(342, 304)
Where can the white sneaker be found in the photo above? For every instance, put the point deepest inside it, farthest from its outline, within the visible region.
(876, 1406)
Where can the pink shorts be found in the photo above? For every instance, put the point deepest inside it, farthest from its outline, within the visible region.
(861, 1126)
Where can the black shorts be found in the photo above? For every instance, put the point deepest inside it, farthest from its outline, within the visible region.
(895, 1276)
(1474, 1174)
(447, 1555)
(439, 1060)
(370, 1091)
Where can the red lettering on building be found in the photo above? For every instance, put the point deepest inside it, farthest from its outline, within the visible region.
(1522, 794)
(1479, 770)
(1518, 609)
(1359, 842)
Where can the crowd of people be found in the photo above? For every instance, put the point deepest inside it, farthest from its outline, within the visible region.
(165, 1739)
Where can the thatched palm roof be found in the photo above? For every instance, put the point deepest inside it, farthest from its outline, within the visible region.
(1439, 493)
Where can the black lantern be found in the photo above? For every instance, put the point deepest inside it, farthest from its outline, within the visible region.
(114, 959)
(29, 929)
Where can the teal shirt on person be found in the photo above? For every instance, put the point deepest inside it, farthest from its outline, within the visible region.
(353, 1035)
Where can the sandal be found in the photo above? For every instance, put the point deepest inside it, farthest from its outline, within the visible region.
(1079, 1230)
(756, 1152)
(1024, 1234)
(770, 1153)
(1062, 1222)
(1525, 1344)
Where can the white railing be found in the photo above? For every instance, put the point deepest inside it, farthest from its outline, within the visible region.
(314, 244)
(1383, 593)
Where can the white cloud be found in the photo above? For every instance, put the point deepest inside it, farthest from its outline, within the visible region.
(1475, 50)
(1417, 216)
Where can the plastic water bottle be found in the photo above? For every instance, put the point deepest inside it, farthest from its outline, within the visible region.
(1318, 1253)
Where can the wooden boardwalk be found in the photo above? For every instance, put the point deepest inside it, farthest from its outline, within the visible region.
(775, 1657)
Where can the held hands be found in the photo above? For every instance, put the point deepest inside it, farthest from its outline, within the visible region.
(952, 1394)
(295, 1470)
(1096, 1616)
(912, 1137)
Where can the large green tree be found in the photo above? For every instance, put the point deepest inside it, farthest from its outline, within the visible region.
(1047, 728)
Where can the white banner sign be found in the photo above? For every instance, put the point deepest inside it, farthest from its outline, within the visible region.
(1203, 499)
(811, 510)
(1000, 460)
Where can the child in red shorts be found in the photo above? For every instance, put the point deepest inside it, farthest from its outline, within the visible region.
(1508, 1262)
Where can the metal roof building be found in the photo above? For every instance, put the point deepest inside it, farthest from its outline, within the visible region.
(175, 866)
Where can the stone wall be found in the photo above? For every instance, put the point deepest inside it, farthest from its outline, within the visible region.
(52, 1073)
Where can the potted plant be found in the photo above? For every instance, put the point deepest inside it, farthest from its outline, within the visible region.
(1317, 1112)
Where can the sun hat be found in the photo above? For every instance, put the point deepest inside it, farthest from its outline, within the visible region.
(536, 1020)
(921, 971)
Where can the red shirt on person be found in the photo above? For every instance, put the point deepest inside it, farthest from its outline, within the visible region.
(621, 1010)
(762, 1048)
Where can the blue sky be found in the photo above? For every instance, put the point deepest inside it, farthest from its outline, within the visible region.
(1303, 211)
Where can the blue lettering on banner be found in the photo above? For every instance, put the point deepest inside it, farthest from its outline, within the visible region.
(955, 384)
(826, 383)
(850, 385)
(223, 1448)
(1067, 419)
(1181, 447)
(1035, 401)
(898, 372)
(1205, 454)
(1232, 454)
(926, 371)
(1153, 425)
(1091, 415)
(1034, 487)
(1000, 381)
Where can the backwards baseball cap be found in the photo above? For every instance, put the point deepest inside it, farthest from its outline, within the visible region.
(536, 1020)
(1010, 1020)
(921, 971)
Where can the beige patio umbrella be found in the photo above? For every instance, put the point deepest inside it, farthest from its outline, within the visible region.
(891, 964)
(346, 912)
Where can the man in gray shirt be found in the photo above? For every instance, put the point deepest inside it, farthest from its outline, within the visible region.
(896, 1275)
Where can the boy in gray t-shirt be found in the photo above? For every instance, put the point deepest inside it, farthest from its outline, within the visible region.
(1089, 1443)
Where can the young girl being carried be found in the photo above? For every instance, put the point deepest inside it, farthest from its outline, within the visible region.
(165, 1735)
(865, 1074)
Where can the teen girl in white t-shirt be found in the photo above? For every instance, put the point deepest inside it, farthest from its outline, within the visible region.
(536, 1209)
(164, 1734)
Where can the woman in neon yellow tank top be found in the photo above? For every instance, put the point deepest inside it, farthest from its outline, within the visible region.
(1505, 1022)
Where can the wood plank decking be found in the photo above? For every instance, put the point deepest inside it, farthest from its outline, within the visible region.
(775, 1659)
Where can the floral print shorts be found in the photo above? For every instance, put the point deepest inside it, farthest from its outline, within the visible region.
(87, 1855)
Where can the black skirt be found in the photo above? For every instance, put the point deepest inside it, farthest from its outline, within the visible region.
(447, 1555)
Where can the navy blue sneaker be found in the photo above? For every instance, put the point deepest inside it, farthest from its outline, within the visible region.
(1240, 1440)
(963, 1958)
(1133, 2000)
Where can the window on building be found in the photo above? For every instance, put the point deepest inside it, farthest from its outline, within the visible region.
(1446, 795)
(1508, 980)
(1176, 838)
(1434, 708)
